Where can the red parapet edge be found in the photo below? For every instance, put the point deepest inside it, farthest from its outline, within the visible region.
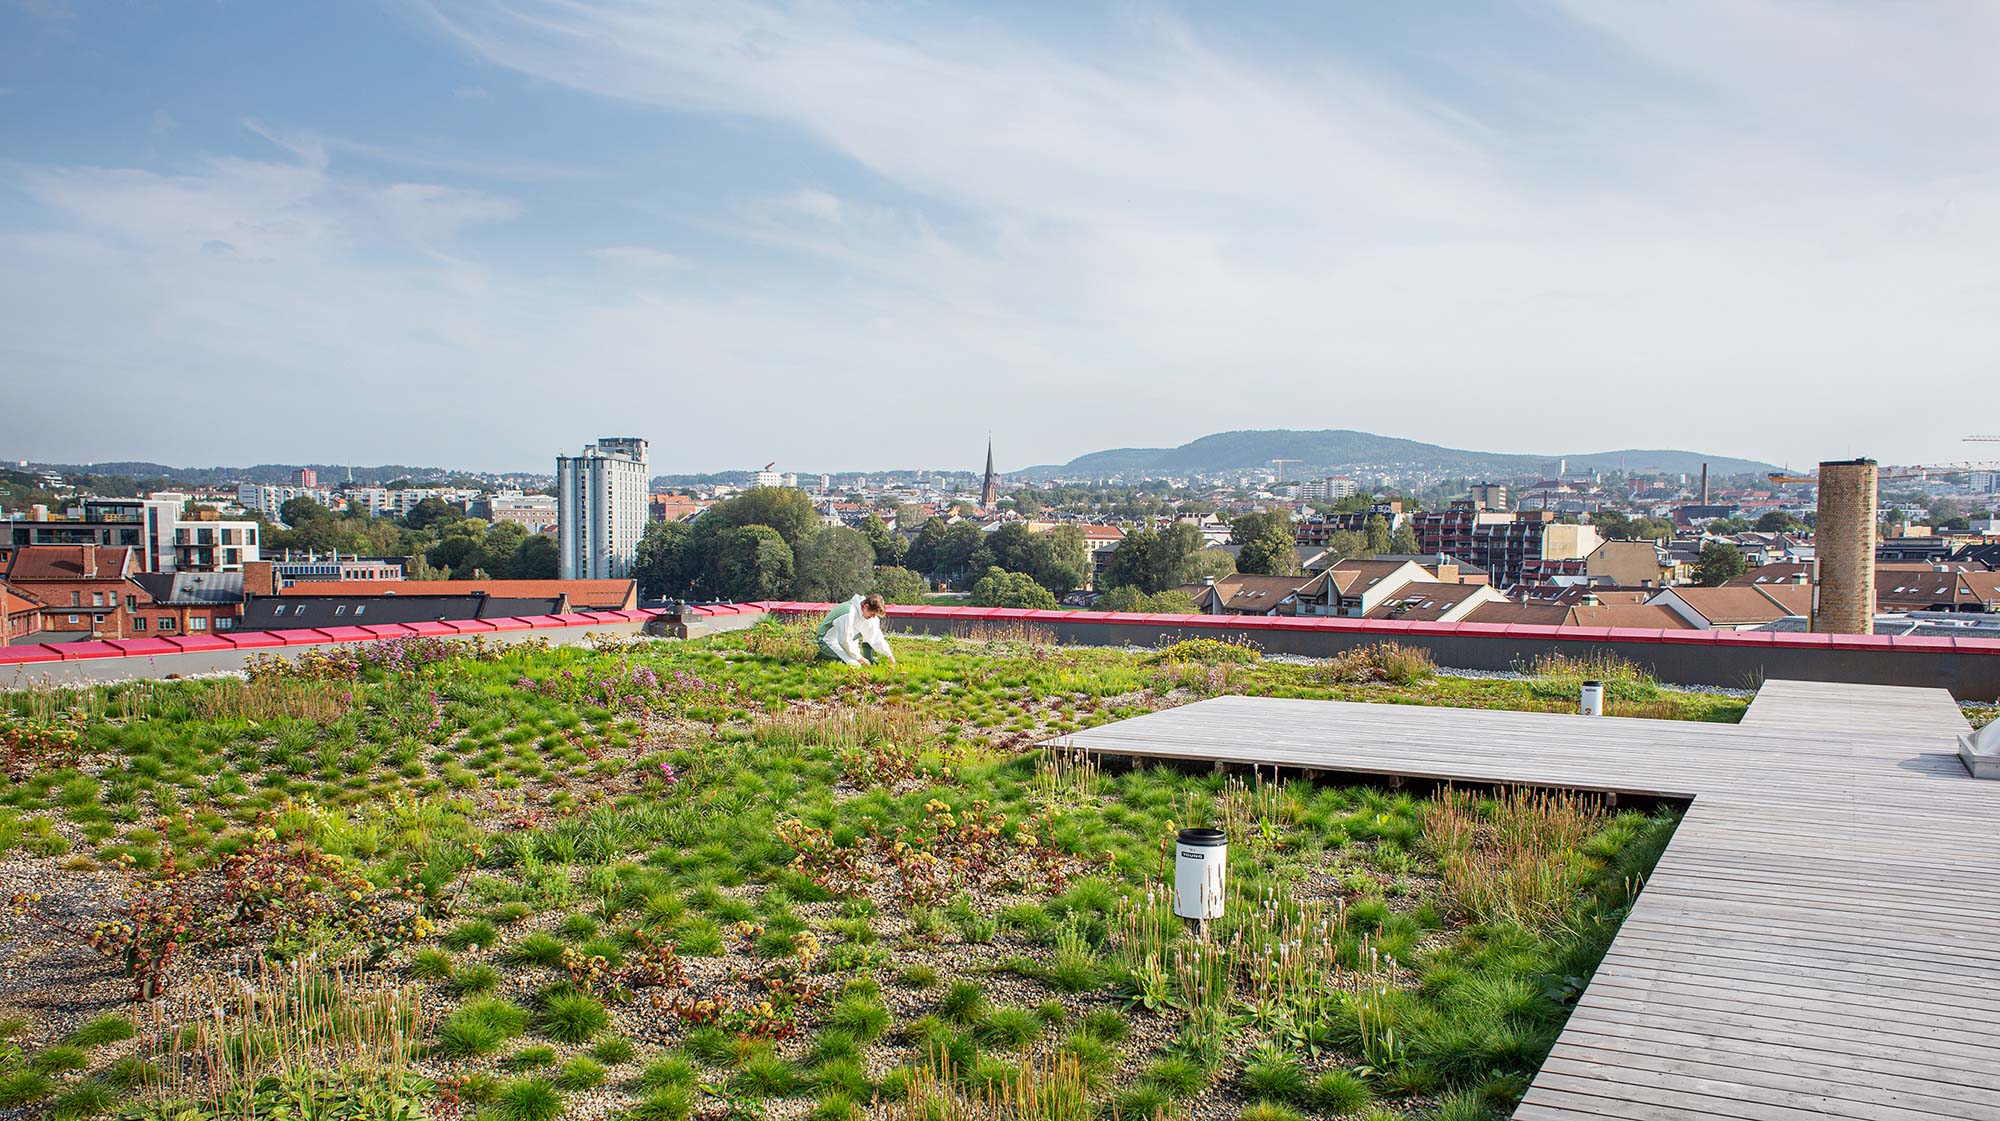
(186, 643)
(349, 634)
(503, 623)
(143, 647)
(432, 628)
(1922, 642)
(1535, 632)
(1433, 628)
(253, 640)
(1746, 638)
(475, 626)
(388, 630)
(1585, 634)
(1689, 638)
(22, 655)
(79, 651)
(1861, 642)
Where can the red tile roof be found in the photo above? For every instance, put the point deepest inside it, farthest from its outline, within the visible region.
(65, 563)
(584, 595)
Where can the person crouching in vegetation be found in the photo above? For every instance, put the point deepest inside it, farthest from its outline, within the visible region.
(852, 632)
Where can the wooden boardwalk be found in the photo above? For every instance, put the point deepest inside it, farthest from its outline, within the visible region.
(1820, 939)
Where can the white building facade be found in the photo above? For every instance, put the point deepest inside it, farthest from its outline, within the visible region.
(600, 509)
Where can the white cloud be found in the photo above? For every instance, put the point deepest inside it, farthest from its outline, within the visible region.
(1747, 242)
(1726, 211)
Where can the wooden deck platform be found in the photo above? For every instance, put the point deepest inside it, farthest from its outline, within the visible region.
(1820, 939)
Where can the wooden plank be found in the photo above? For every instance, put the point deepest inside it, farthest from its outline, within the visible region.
(1817, 939)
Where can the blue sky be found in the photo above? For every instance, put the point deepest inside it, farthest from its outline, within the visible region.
(859, 236)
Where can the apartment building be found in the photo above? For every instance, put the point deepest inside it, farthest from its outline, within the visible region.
(162, 538)
(601, 508)
(1506, 542)
(533, 512)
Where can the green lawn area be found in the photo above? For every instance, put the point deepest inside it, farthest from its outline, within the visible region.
(660, 880)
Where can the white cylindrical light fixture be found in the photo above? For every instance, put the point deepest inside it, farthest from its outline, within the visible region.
(1593, 698)
(1201, 866)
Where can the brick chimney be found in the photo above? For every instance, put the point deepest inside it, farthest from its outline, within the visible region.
(89, 566)
(259, 579)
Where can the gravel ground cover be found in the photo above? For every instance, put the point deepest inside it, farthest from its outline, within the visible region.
(660, 880)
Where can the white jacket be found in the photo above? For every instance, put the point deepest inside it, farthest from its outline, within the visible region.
(851, 629)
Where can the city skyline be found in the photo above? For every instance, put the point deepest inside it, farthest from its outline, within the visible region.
(1563, 225)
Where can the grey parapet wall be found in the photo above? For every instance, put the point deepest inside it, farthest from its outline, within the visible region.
(1969, 668)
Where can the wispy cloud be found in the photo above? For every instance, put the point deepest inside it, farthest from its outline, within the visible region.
(316, 146)
(1172, 204)
(1649, 234)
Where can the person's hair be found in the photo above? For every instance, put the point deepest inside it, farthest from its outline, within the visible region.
(873, 605)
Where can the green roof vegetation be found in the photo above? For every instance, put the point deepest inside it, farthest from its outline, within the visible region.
(716, 878)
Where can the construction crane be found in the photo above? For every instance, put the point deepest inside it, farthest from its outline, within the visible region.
(1281, 466)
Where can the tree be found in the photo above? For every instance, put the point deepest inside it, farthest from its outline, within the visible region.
(1345, 544)
(1129, 598)
(665, 564)
(1376, 533)
(1778, 521)
(889, 545)
(1210, 563)
(459, 547)
(962, 553)
(1245, 528)
(1001, 588)
(1153, 561)
(786, 510)
(1717, 564)
(751, 562)
(1060, 559)
(535, 558)
(1013, 547)
(496, 552)
(927, 546)
(1612, 525)
(296, 512)
(1651, 529)
(832, 563)
(430, 512)
(897, 585)
(1404, 540)
(1270, 553)
(1182, 540)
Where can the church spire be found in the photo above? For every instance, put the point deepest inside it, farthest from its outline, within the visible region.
(989, 489)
